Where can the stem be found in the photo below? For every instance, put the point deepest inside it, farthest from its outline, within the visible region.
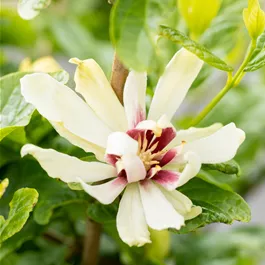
(232, 81)
(91, 243)
(118, 77)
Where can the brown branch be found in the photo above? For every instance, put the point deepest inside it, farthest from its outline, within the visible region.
(118, 77)
(91, 243)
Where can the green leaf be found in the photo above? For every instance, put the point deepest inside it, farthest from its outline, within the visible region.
(257, 63)
(103, 213)
(217, 180)
(202, 52)
(231, 167)
(20, 207)
(52, 193)
(218, 205)
(61, 76)
(130, 34)
(28, 232)
(28, 9)
(15, 112)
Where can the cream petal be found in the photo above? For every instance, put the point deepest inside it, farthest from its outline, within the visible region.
(80, 142)
(93, 85)
(58, 103)
(194, 212)
(182, 204)
(68, 168)
(174, 84)
(193, 134)
(131, 223)
(219, 147)
(159, 213)
(134, 98)
(134, 167)
(120, 143)
(191, 169)
(105, 193)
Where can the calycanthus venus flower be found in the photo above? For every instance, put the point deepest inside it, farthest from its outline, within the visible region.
(143, 155)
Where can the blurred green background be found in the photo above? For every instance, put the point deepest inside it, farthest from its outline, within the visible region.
(80, 28)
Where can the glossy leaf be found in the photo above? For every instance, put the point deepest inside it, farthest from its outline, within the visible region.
(28, 232)
(61, 76)
(103, 213)
(14, 110)
(53, 193)
(231, 167)
(20, 207)
(202, 52)
(218, 205)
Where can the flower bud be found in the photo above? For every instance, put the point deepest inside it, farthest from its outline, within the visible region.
(198, 14)
(254, 18)
(3, 186)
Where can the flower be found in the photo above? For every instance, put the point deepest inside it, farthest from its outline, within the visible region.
(145, 158)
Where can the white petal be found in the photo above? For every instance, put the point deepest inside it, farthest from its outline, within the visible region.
(134, 167)
(120, 143)
(193, 134)
(192, 168)
(174, 84)
(131, 223)
(80, 142)
(219, 147)
(93, 85)
(134, 98)
(68, 168)
(105, 193)
(159, 213)
(181, 203)
(194, 212)
(58, 103)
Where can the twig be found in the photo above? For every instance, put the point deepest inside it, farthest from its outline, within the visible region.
(91, 243)
(118, 77)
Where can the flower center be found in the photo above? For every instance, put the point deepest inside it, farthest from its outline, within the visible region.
(146, 154)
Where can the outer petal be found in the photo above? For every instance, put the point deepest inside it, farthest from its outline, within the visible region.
(174, 84)
(131, 223)
(159, 213)
(58, 103)
(134, 98)
(120, 143)
(182, 204)
(68, 168)
(134, 167)
(105, 193)
(193, 134)
(80, 142)
(93, 85)
(219, 147)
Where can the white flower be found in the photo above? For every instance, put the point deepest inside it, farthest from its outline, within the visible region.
(145, 157)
